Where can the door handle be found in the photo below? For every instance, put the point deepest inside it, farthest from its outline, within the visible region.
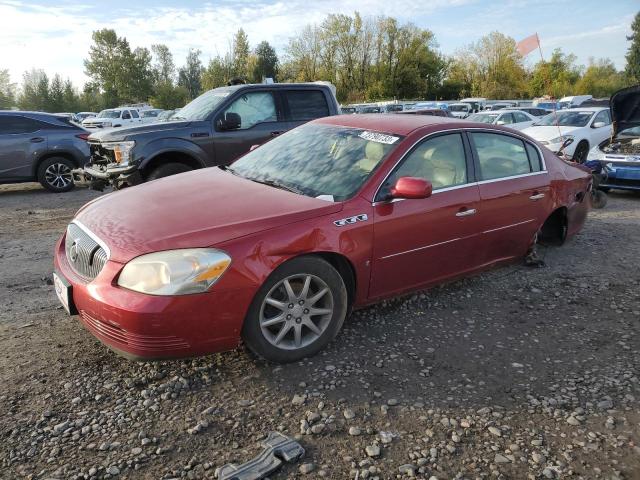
(536, 196)
(275, 134)
(37, 140)
(466, 212)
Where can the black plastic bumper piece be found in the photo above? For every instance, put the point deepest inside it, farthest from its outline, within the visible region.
(278, 449)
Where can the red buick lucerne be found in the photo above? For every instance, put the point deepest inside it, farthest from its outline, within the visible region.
(276, 249)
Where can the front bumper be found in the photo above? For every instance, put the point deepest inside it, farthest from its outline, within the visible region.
(623, 177)
(98, 177)
(148, 327)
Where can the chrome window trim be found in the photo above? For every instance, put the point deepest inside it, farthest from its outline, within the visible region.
(93, 237)
(462, 130)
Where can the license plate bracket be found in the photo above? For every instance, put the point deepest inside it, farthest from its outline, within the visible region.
(64, 292)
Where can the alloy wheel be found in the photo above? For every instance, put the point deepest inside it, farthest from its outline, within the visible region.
(296, 311)
(58, 175)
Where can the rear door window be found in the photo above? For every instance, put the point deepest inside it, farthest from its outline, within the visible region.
(16, 124)
(520, 117)
(306, 105)
(134, 114)
(500, 156)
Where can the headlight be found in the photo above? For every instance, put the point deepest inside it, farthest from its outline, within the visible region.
(121, 150)
(560, 139)
(175, 272)
(106, 124)
(595, 154)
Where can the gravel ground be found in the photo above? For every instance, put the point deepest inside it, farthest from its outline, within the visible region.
(516, 373)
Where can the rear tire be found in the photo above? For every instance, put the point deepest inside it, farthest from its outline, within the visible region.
(290, 317)
(168, 169)
(54, 174)
(581, 152)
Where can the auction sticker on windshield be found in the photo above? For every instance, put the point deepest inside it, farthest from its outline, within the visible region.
(378, 137)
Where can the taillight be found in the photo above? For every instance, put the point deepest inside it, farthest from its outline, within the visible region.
(83, 136)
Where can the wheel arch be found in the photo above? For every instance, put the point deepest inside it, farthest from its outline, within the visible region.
(554, 229)
(171, 156)
(47, 155)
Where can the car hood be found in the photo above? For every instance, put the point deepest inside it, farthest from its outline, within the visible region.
(122, 133)
(195, 209)
(625, 108)
(545, 133)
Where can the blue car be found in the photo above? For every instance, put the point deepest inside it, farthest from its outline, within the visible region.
(618, 159)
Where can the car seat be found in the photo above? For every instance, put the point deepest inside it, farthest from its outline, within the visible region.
(373, 153)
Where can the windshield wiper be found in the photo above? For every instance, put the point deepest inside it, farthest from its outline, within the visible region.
(277, 184)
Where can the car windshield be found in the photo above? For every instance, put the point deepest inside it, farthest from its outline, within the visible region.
(630, 132)
(201, 107)
(566, 119)
(109, 114)
(327, 161)
(483, 117)
(458, 108)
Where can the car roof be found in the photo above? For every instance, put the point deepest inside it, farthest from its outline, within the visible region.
(396, 124)
(32, 114)
(584, 109)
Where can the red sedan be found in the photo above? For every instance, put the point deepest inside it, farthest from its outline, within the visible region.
(278, 248)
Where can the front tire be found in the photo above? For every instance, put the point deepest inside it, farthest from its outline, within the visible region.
(298, 310)
(167, 169)
(581, 152)
(54, 174)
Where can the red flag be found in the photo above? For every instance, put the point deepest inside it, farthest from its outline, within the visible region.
(528, 45)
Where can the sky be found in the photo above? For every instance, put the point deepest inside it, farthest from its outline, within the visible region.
(56, 35)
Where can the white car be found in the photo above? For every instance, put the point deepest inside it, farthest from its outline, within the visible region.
(150, 115)
(582, 128)
(460, 109)
(515, 119)
(113, 118)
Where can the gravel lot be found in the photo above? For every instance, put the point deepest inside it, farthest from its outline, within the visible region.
(516, 373)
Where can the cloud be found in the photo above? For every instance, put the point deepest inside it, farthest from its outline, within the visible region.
(57, 38)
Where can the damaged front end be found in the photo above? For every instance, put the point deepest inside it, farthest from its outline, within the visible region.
(110, 164)
(618, 158)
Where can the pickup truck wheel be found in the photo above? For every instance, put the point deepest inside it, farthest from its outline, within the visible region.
(167, 169)
(54, 174)
(298, 310)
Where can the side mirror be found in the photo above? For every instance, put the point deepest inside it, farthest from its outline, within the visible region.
(500, 122)
(231, 121)
(598, 125)
(411, 187)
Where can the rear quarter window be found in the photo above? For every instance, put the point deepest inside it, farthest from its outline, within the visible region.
(306, 104)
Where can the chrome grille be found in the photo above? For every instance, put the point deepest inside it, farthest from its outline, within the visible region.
(84, 254)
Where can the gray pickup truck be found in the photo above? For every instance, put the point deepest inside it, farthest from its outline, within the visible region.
(214, 129)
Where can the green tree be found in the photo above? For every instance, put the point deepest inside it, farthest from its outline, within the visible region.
(217, 73)
(556, 78)
(109, 57)
(70, 98)
(266, 65)
(240, 54)
(56, 95)
(189, 75)
(600, 79)
(7, 91)
(164, 69)
(633, 54)
(169, 97)
(136, 82)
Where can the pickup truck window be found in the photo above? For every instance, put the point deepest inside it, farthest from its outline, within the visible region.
(306, 104)
(254, 108)
(134, 114)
